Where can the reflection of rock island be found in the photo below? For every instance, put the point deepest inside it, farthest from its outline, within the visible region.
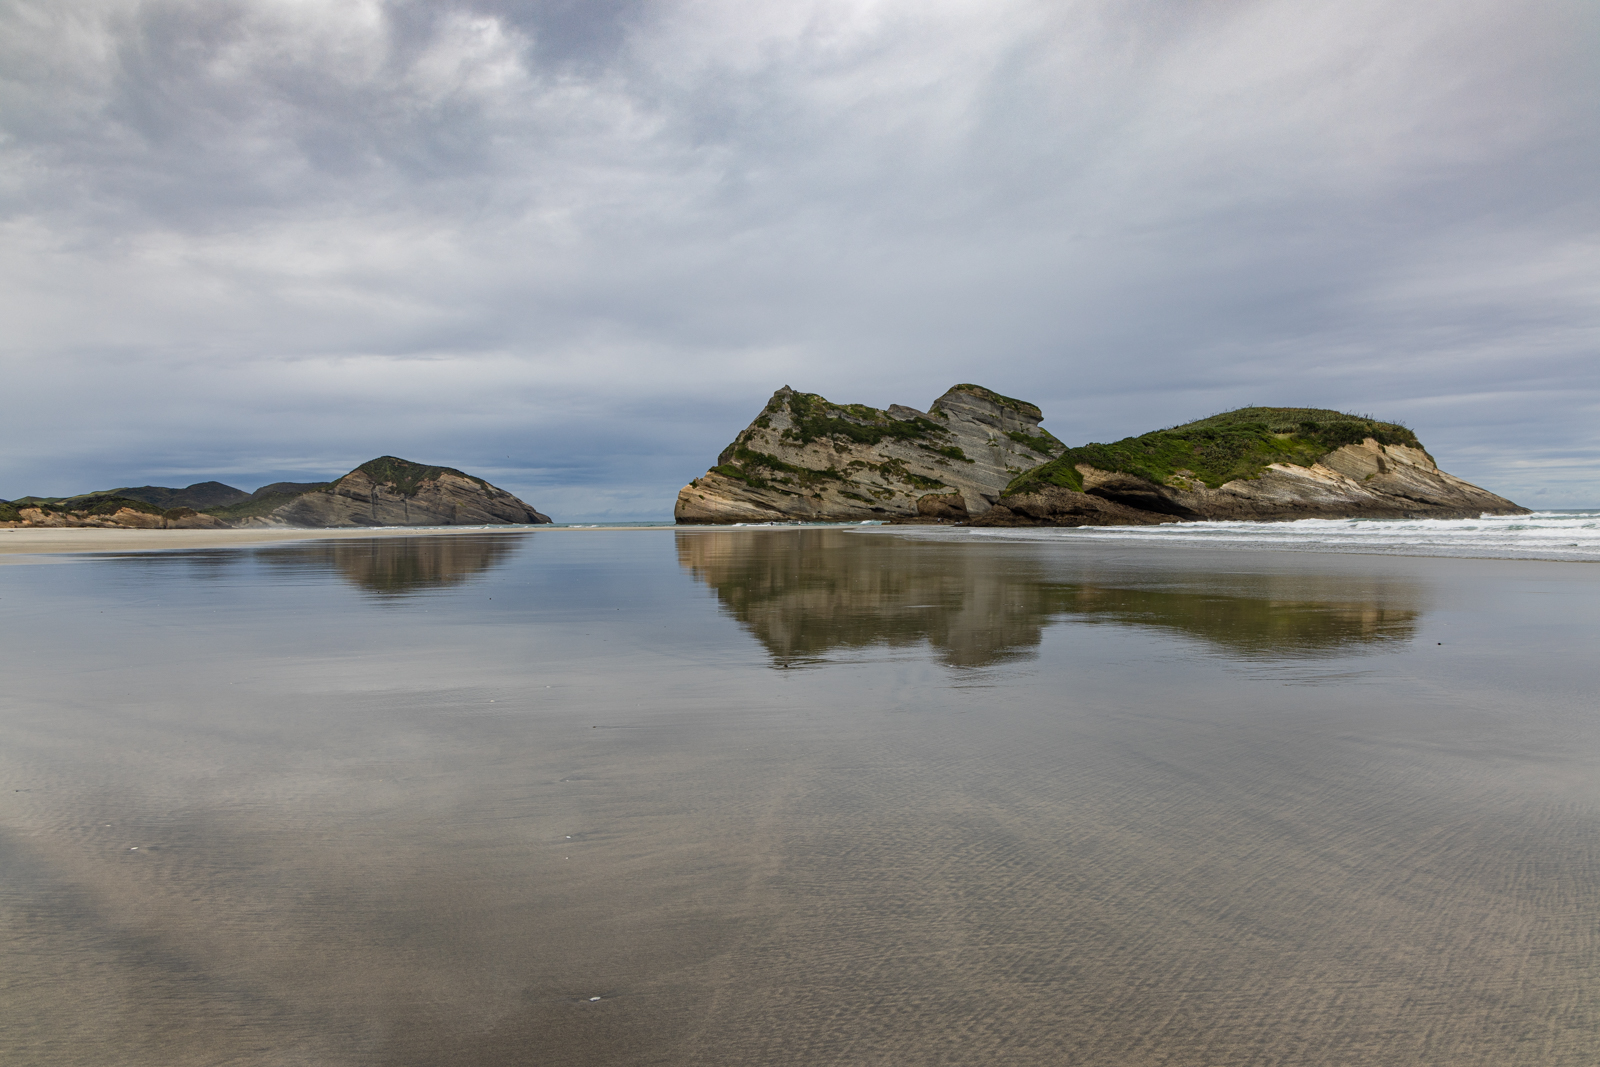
(399, 565)
(804, 593)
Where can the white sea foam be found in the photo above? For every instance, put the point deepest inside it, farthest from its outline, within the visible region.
(1557, 535)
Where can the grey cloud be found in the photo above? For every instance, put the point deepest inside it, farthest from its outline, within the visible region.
(275, 239)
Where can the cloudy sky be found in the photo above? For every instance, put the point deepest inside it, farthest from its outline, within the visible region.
(573, 245)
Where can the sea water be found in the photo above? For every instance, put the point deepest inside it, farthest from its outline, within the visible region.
(781, 796)
(1562, 535)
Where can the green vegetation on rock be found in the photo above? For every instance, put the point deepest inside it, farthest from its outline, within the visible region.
(95, 504)
(949, 452)
(746, 465)
(1045, 443)
(814, 418)
(1220, 449)
(405, 477)
(202, 496)
(89, 505)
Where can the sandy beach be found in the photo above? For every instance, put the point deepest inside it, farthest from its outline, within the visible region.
(763, 797)
(18, 544)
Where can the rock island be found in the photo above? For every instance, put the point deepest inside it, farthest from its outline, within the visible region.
(979, 457)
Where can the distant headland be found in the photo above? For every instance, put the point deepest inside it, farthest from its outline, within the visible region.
(978, 457)
(387, 491)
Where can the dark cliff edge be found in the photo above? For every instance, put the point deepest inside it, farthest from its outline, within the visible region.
(1254, 464)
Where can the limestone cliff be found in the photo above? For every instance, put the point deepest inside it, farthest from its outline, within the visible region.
(807, 458)
(389, 491)
(1258, 464)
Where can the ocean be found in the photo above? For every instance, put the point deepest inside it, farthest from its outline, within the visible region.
(1557, 535)
(1306, 794)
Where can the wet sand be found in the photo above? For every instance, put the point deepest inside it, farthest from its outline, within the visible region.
(22, 540)
(18, 543)
(783, 797)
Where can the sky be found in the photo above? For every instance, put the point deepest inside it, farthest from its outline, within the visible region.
(572, 246)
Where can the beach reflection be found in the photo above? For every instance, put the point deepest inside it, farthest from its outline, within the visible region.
(500, 799)
(806, 593)
(390, 567)
(399, 566)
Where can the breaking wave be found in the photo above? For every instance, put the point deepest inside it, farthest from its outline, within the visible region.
(1554, 535)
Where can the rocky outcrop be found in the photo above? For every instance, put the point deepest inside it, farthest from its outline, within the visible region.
(1051, 505)
(389, 491)
(101, 511)
(386, 491)
(1250, 468)
(807, 458)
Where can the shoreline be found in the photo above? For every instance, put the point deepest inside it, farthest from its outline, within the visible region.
(26, 542)
(40, 545)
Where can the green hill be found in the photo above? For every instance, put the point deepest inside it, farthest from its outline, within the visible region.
(202, 496)
(1235, 444)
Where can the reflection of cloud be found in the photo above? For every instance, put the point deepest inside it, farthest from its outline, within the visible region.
(805, 593)
(400, 565)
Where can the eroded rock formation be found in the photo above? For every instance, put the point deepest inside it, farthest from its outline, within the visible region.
(394, 492)
(1258, 464)
(807, 458)
(102, 511)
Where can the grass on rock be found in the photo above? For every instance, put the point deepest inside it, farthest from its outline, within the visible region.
(1220, 449)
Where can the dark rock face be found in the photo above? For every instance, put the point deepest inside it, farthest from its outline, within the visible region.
(1366, 480)
(1055, 506)
(949, 507)
(394, 492)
